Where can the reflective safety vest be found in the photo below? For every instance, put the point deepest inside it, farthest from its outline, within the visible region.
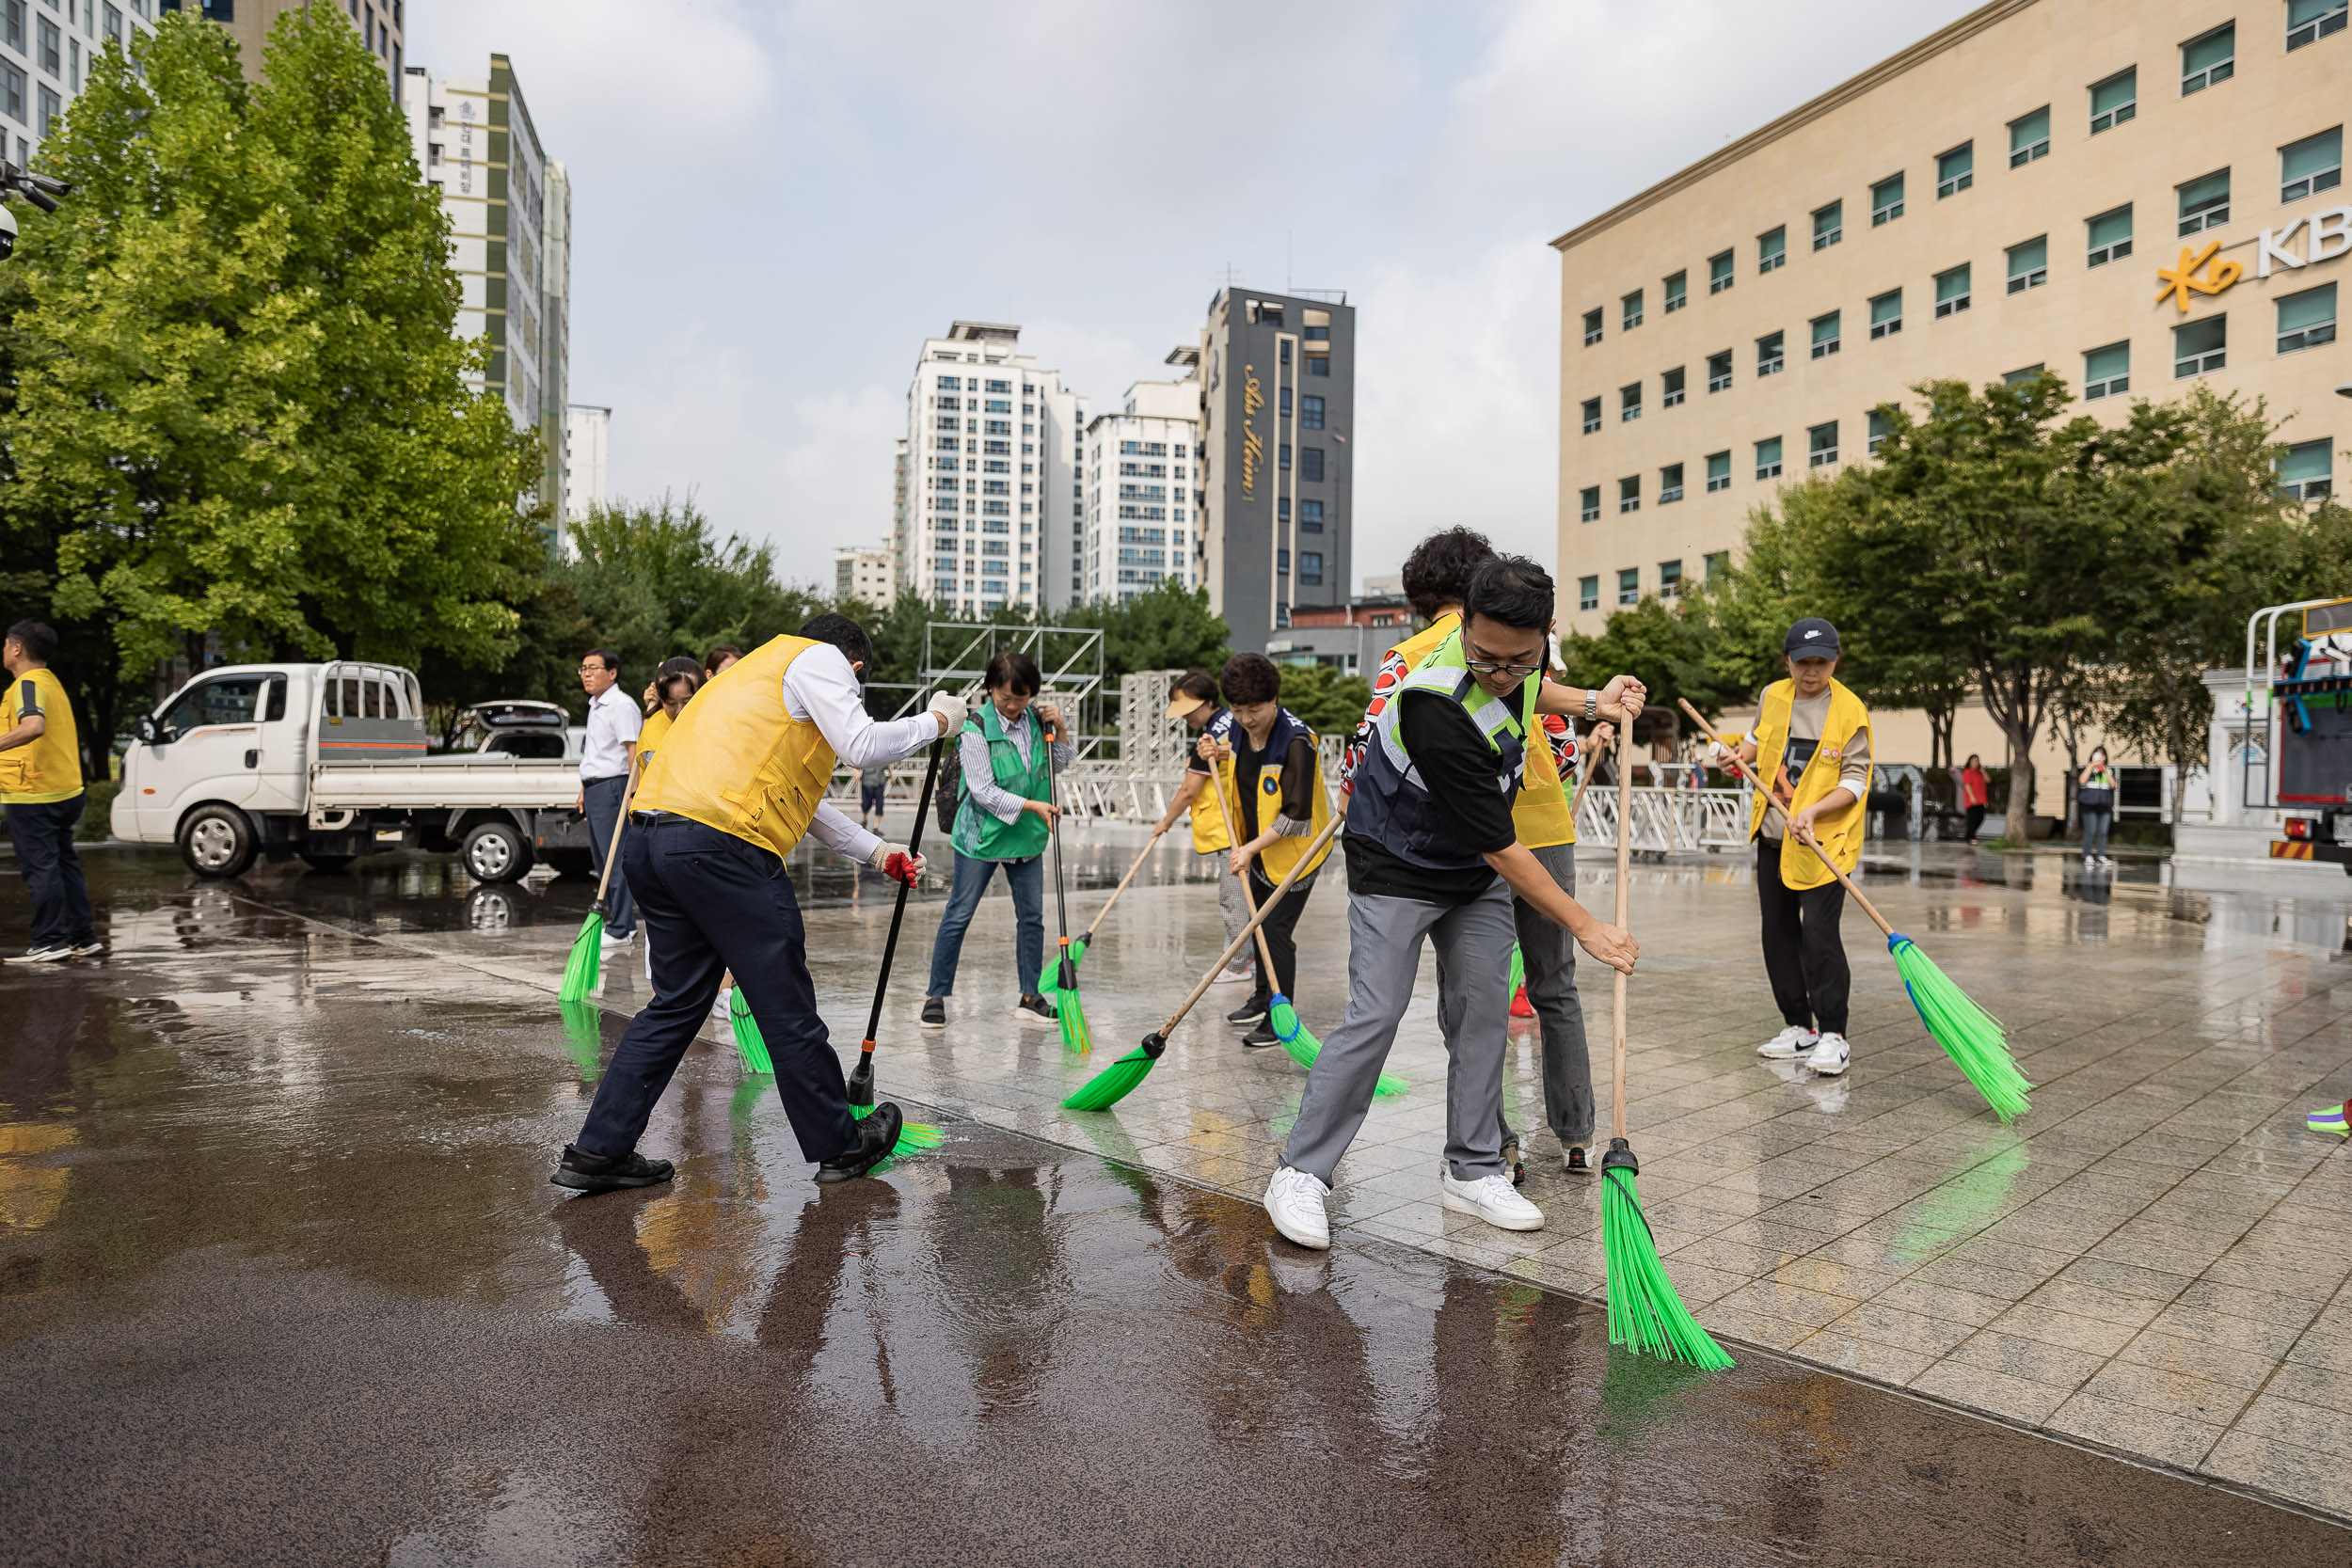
(1276, 859)
(1544, 815)
(1839, 832)
(736, 759)
(48, 767)
(981, 835)
(1208, 828)
(1391, 804)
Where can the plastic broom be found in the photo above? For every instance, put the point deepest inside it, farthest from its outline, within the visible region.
(586, 964)
(915, 1135)
(1971, 1037)
(748, 1043)
(1112, 1084)
(1645, 1314)
(1069, 1014)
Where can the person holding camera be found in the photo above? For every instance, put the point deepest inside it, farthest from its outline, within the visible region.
(2094, 797)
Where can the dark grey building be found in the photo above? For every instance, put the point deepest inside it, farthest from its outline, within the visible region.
(1277, 411)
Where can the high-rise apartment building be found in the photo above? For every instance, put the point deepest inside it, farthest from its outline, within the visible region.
(993, 445)
(1141, 467)
(587, 430)
(898, 513)
(510, 218)
(45, 54)
(864, 572)
(1277, 379)
(2144, 198)
(380, 22)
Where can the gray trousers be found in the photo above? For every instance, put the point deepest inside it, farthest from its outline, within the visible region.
(1473, 943)
(1229, 905)
(1549, 954)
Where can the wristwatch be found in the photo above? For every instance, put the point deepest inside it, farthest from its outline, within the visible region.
(1592, 705)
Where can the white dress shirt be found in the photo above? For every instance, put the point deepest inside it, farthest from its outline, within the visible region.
(820, 687)
(613, 723)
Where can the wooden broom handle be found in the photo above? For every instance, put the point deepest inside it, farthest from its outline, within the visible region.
(1771, 799)
(1331, 830)
(612, 851)
(1617, 976)
(1249, 899)
(1099, 914)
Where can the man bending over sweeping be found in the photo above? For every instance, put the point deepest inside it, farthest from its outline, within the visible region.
(1432, 853)
(743, 777)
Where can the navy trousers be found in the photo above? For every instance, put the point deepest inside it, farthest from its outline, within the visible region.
(711, 903)
(602, 800)
(52, 872)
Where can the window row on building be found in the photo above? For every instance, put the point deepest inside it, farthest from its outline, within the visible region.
(1668, 583)
(2109, 102)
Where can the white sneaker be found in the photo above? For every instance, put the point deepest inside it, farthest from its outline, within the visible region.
(1791, 1041)
(1293, 1201)
(611, 945)
(1831, 1056)
(1492, 1198)
(1236, 976)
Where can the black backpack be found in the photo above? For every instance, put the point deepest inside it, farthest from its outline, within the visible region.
(948, 793)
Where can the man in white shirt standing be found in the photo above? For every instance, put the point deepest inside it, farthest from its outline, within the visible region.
(613, 723)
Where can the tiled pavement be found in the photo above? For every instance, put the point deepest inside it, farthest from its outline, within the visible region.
(2153, 1261)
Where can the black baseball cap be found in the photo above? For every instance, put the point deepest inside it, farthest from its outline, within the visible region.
(1811, 638)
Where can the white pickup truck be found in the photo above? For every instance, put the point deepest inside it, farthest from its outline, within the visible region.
(329, 761)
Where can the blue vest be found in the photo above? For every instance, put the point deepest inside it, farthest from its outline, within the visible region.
(1391, 806)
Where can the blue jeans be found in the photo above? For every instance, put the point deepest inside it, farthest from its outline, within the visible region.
(2096, 820)
(714, 902)
(43, 832)
(1026, 879)
(602, 800)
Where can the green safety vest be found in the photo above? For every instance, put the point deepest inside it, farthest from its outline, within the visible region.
(978, 834)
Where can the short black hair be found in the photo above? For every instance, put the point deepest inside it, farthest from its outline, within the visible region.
(1250, 678)
(844, 634)
(1197, 682)
(1438, 573)
(36, 638)
(1512, 591)
(1017, 671)
(605, 657)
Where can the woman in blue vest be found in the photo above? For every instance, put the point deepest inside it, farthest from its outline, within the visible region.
(1005, 817)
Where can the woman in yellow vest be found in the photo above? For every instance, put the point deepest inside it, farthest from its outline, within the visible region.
(1194, 700)
(741, 778)
(40, 786)
(674, 680)
(1812, 745)
(1270, 780)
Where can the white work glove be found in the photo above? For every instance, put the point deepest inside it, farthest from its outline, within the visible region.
(896, 862)
(952, 710)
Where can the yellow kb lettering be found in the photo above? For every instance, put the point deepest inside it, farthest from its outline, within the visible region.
(2181, 281)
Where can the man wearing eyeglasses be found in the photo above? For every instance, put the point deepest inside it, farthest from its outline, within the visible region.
(613, 724)
(1431, 854)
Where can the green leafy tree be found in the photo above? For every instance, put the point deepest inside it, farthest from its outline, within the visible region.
(1324, 699)
(1665, 647)
(240, 407)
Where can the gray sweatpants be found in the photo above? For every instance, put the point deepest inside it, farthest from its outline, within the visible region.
(1549, 954)
(1229, 903)
(1473, 942)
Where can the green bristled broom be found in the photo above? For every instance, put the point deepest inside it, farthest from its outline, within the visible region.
(748, 1043)
(1645, 1314)
(583, 1035)
(1971, 1037)
(1070, 1015)
(586, 964)
(1115, 1081)
(914, 1136)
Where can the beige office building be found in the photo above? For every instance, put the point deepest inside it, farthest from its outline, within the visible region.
(2138, 197)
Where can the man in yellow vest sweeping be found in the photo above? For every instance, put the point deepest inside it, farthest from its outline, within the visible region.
(741, 779)
(1812, 745)
(40, 786)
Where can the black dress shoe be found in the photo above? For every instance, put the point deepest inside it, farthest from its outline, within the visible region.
(1261, 1036)
(584, 1172)
(877, 1135)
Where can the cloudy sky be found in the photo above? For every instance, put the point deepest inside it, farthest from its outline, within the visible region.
(775, 203)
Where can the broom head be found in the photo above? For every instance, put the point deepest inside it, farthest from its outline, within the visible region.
(1302, 1047)
(1112, 1084)
(748, 1043)
(587, 960)
(583, 1035)
(914, 1136)
(1068, 1012)
(1645, 1314)
(1971, 1037)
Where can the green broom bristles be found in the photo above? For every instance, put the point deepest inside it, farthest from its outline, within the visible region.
(1303, 1048)
(587, 959)
(583, 1035)
(1519, 968)
(1645, 1314)
(1067, 1011)
(914, 1136)
(1112, 1084)
(748, 1044)
(1971, 1037)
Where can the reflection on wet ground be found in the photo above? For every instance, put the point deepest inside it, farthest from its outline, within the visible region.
(284, 1279)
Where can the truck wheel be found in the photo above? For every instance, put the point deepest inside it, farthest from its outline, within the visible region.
(495, 852)
(217, 841)
(326, 862)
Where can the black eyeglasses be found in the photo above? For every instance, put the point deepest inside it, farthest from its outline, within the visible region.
(1489, 666)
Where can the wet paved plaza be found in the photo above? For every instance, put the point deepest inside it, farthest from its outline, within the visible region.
(284, 1280)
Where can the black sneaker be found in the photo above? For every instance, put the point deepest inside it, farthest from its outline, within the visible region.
(934, 1012)
(1261, 1036)
(1034, 1008)
(90, 949)
(602, 1173)
(1577, 1163)
(43, 953)
(1248, 1012)
(877, 1135)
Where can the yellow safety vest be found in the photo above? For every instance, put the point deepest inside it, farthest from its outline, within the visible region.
(1542, 816)
(49, 766)
(736, 760)
(1208, 828)
(1279, 857)
(1839, 832)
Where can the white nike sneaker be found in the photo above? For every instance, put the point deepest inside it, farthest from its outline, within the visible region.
(1293, 1201)
(1791, 1041)
(1831, 1056)
(1492, 1198)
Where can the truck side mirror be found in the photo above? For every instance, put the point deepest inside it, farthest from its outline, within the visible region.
(148, 732)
